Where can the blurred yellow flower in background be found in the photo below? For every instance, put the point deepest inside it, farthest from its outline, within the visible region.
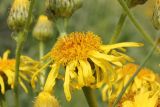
(145, 84)
(126, 72)
(7, 71)
(86, 60)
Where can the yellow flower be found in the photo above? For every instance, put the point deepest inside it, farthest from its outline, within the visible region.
(86, 61)
(7, 71)
(143, 99)
(45, 99)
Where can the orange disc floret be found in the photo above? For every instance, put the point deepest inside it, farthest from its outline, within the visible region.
(75, 46)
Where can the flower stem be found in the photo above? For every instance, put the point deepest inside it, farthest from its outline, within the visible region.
(135, 22)
(134, 75)
(21, 37)
(90, 97)
(61, 24)
(3, 101)
(20, 42)
(41, 54)
(41, 49)
(119, 26)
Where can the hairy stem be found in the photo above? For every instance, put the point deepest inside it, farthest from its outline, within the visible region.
(20, 42)
(90, 97)
(21, 37)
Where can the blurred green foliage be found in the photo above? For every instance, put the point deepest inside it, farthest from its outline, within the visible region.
(98, 16)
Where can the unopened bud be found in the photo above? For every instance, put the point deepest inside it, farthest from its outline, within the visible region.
(156, 15)
(18, 14)
(45, 99)
(134, 3)
(62, 8)
(43, 29)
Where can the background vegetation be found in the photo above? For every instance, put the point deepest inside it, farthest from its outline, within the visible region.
(99, 16)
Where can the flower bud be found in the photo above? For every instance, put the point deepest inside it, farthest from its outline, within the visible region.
(45, 99)
(43, 29)
(62, 8)
(134, 3)
(18, 14)
(156, 15)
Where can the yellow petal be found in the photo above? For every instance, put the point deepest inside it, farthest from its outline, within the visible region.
(104, 92)
(99, 55)
(67, 84)
(120, 45)
(80, 76)
(5, 55)
(126, 57)
(51, 79)
(113, 59)
(99, 63)
(23, 76)
(23, 85)
(72, 65)
(137, 83)
(45, 57)
(111, 74)
(2, 85)
(97, 73)
(37, 72)
(153, 101)
(108, 73)
(143, 99)
(10, 76)
(87, 71)
(126, 79)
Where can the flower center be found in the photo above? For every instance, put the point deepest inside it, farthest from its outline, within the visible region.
(75, 46)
